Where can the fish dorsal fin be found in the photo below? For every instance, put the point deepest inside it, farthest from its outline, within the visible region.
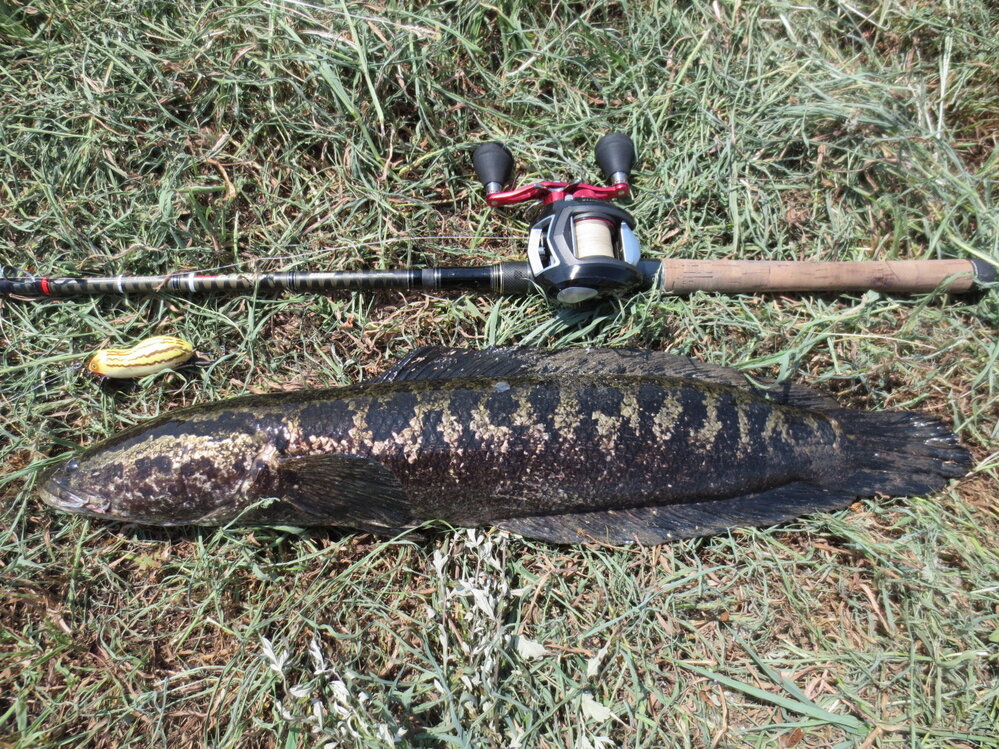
(656, 525)
(442, 363)
(788, 393)
(345, 490)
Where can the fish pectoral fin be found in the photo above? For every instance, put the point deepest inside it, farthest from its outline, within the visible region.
(345, 490)
(661, 524)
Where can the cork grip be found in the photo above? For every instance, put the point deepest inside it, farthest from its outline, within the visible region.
(751, 276)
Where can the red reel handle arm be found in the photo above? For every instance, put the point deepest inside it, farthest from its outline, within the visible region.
(550, 192)
(537, 191)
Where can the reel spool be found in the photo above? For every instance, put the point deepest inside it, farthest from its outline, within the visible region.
(582, 247)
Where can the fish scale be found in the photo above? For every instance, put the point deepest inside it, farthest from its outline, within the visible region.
(603, 444)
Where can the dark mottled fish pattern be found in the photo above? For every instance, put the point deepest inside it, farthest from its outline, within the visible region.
(573, 445)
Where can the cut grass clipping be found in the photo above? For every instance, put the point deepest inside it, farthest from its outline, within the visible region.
(146, 137)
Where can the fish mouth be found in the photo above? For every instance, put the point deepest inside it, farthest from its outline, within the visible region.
(57, 495)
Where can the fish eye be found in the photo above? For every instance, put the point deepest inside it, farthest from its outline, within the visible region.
(72, 465)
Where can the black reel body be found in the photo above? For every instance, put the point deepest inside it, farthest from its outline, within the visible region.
(581, 249)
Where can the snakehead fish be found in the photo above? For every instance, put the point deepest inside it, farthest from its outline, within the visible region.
(571, 445)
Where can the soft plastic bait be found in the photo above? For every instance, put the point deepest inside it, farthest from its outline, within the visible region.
(144, 358)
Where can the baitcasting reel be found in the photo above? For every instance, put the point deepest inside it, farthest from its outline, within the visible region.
(582, 246)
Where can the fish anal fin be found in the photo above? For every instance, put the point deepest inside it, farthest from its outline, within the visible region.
(345, 490)
(661, 524)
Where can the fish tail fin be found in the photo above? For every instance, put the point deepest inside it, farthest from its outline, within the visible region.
(896, 453)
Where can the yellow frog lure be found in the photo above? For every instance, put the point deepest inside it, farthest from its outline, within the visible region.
(144, 358)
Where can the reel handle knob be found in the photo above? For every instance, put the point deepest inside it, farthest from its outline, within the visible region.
(616, 155)
(493, 166)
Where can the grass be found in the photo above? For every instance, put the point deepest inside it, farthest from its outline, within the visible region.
(151, 136)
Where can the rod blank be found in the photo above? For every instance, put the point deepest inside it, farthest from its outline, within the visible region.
(486, 278)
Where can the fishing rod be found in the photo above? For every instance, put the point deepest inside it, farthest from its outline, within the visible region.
(581, 247)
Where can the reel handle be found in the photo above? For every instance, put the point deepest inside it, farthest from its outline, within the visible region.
(615, 154)
(493, 166)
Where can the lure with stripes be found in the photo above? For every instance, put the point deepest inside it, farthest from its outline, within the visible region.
(144, 358)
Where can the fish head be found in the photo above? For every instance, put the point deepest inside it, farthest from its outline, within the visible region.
(165, 473)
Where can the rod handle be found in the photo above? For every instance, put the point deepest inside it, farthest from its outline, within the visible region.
(754, 276)
(615, 154)
(493, 166)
